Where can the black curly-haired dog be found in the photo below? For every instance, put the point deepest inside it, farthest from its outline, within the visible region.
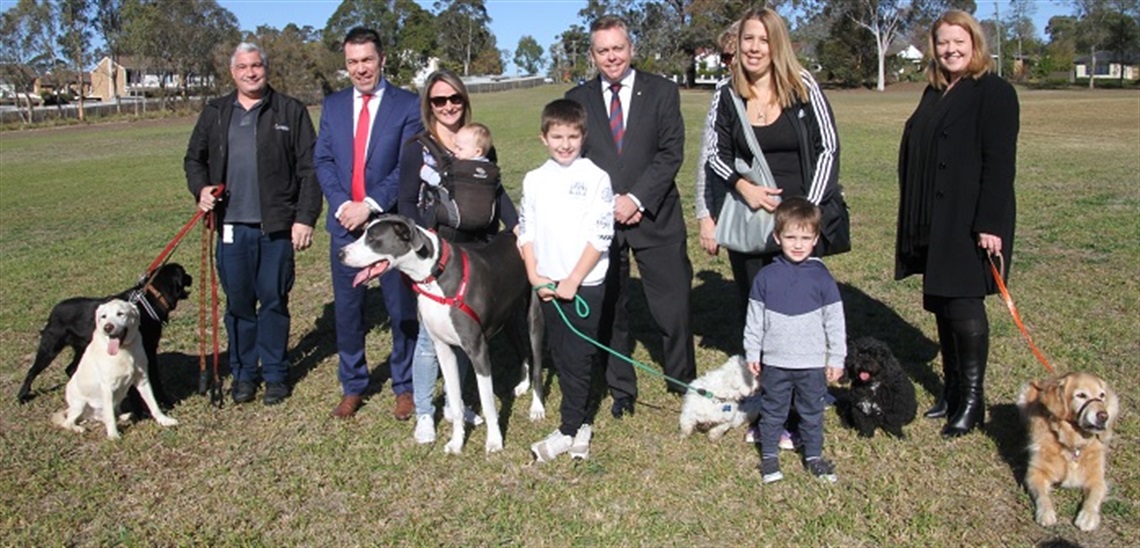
(881, 395)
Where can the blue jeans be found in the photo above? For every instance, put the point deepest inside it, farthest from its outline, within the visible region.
(425, 371)
(257, 268)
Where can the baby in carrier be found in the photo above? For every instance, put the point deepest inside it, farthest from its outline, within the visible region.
(462, 187)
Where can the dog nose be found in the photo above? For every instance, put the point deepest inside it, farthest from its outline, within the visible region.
(340, 255)
(1101, 417)
(108, 328)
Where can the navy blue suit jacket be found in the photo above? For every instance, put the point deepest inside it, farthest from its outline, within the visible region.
(397, 121)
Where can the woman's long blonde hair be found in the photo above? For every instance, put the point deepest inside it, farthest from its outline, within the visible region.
(980, 59)
(787, 85)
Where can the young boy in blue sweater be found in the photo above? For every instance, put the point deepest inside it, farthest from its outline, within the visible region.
(795, 339)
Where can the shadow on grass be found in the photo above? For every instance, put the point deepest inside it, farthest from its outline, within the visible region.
(718, 317)
(1007, 430)
(869, 317)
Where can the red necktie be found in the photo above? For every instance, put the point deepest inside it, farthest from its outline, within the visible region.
(617, 124)
(359, 144)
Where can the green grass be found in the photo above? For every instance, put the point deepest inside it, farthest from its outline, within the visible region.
(84, 209)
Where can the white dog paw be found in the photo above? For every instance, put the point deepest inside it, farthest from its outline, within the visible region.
(75, 428)
(494, 445)
(1087, 521)
(1046, 518)
(453, 447)
(522, 387)
(537, 413)
(113, 436)
(166, 421)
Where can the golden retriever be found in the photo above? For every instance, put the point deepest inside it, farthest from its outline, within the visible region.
(1069, 421)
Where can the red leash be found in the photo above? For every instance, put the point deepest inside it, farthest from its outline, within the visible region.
(170, 247)
(1008, 299)
(209, 232)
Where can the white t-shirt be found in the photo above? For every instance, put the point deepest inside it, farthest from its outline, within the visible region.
(563, 210)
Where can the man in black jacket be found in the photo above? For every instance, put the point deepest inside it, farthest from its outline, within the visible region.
(259, 144)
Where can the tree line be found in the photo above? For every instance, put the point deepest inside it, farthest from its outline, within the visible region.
(850, 42)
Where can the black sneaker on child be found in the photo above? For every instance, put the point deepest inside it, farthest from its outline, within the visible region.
(770, 470)
(822, 469)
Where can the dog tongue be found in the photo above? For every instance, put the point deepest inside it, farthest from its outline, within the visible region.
(369, 272)
(864, 376)
(113, 346)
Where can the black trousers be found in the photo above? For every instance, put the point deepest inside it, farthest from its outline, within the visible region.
(667, 278)
(573, 356)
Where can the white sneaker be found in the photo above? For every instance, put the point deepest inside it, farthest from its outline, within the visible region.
(425, 429)
(580, 449)
(555, 444)
(469, 416)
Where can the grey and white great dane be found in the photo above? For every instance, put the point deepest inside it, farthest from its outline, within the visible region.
(466, 295)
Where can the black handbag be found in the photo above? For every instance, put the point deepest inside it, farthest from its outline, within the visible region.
(835, 225)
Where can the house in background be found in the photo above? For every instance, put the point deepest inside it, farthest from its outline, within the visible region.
(103, 75)
(1109, 66)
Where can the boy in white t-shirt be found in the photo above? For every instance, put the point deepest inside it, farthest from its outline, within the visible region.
(565, 227)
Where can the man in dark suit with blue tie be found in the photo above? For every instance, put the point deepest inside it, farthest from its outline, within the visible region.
(636, 134)
(362, 131)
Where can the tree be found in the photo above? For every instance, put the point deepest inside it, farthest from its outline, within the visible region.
(464, 33)
(109, 23)
(1091, 30)
(26, 49)
(1020, 23)
(188, 40)
(75, 41)
(528, 55)
(570, 54)
(1122, 31)
(407, 32)
(847, 53)
(888, 20)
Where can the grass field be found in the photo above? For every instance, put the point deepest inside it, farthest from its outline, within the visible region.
(84, 210)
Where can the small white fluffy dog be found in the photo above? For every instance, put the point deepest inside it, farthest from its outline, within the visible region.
(731, 384)
(113, 362)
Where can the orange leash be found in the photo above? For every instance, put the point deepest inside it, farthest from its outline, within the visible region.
(1008, 299)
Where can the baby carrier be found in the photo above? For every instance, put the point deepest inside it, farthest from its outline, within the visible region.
(466, 197)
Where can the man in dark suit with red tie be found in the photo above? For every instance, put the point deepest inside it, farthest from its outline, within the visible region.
(636, 134)
(362, 131)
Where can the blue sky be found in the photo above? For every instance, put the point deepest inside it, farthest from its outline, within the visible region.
(510, 19)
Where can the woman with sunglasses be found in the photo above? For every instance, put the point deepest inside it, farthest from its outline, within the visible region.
(445, 107)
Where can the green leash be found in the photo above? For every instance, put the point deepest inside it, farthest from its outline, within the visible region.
(583, 311)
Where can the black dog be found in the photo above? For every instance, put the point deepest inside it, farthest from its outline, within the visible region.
(881, 394)
(72, 321)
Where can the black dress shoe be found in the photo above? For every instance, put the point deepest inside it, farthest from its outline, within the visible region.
(244, 391)
(275, 393)
(621, 407)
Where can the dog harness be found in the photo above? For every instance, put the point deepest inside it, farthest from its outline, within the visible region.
(138, 298)
(456, 301)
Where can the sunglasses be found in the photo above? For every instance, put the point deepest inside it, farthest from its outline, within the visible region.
(441, 100)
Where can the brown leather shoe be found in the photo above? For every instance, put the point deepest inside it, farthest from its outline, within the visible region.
(347, 407)
(405, 406)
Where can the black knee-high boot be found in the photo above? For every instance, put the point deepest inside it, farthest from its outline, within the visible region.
(947, 403)
(972, 338)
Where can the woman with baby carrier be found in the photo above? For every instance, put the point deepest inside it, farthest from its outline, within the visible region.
(427, 197)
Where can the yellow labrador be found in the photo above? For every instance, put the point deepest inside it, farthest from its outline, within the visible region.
(1069, 421)
(113, 362)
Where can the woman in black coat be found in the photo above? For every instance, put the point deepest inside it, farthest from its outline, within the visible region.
(956, 206)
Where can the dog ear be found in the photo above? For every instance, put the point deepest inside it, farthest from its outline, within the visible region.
(1054, 398)
(1112, 405)
(420, 244)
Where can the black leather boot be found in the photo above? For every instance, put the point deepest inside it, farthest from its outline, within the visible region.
(972, 338)
(947, 403)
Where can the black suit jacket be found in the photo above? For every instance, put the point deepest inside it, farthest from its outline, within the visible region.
(971, 157)
(652, 152)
